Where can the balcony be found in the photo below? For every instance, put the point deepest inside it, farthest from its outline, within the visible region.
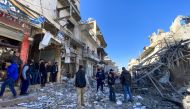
(71, 8)
(91, 55)
(89, 34)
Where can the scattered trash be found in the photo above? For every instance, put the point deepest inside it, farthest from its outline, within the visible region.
(119, 102)
(139, 106)
(139, 97)
(64, 96)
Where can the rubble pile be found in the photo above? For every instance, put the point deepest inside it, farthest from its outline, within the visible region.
(168, 63)
(63, 96)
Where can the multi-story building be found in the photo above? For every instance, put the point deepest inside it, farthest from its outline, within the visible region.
(132, 63)
(179, 30)
(109, 64)
(24, 22)
(51, 30)
(94, 44)
(69, 17)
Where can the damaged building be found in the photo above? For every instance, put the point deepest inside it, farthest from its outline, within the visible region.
(50, 30)
(165, 62)
(94, 44)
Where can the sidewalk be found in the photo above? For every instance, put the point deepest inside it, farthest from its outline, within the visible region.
(7, 99)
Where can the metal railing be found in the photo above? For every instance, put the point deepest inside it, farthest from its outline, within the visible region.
(90, 54)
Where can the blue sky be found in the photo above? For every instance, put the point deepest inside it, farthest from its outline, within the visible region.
(126, 24)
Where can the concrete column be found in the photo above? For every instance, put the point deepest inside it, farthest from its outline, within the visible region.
(24, 48)
(58, 59)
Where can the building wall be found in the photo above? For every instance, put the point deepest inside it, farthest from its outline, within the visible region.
(89, 68)
(91, 44)
(46, 8)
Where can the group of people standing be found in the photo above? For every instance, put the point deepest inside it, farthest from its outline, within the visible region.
(125, 79)
(81, 81)
(32, 73)
(39, 73)
(47, 71)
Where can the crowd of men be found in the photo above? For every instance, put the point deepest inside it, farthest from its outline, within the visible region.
(32, 73)
(81, 82)
(44, 72)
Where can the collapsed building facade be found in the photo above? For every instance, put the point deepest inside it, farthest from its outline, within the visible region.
(49, 30)
(165, 62)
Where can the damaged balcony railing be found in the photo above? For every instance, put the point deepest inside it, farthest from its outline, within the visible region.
(71, 8)
(90, 54)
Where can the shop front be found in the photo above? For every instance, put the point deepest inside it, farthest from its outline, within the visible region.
(14, 36)
(49, 52)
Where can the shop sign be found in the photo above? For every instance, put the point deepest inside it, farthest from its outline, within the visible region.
(17, 10)
(7, 6)
(11, 21)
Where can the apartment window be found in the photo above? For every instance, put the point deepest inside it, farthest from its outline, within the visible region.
(70, 26)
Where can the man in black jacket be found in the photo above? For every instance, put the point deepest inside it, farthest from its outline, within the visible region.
(54, 72)
(80, 83)
(43, 73)
(126, 83)
(100, 76)
(111, 83)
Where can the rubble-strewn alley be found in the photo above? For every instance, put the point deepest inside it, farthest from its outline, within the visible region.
(50, 53)
(63, 96)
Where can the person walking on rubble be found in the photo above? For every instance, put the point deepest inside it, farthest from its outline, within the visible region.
(111, 84)
(81, 80)
(12, 76)
(126, 83)
(99, 78)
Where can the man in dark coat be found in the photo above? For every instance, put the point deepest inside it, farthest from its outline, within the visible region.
(80, 83)
(126, 83)
(54, 72)
(48, 71)
(100, 76)
(42, 71)
(111, 84)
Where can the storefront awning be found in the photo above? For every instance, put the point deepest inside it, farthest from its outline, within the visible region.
(11, 33)
(48, 39)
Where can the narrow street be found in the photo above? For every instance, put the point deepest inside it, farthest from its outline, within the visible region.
(63, 96)
(56, 54)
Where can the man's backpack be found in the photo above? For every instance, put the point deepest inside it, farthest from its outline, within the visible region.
(80, 79)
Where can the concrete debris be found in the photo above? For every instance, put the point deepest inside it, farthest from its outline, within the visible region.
(63, 78)
(119, 102)
(139, 106)
(188, 90)
(138, 97)
(63, 96)
(165, 78)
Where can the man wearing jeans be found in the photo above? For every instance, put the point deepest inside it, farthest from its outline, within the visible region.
(126, 83)
(111, 83)
(12, 76)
